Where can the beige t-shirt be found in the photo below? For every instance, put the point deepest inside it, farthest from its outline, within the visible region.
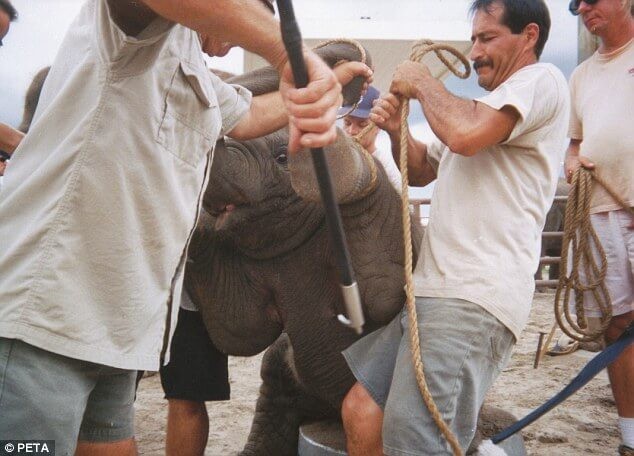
(102, 195)
(487, 212)
(602, 116)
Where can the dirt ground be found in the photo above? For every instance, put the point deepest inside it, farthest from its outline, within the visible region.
(584, 424)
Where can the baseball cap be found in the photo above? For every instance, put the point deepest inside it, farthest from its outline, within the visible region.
(365, 105)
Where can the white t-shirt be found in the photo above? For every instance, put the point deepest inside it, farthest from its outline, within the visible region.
(602, 116)
(389, 165)
(487, 212)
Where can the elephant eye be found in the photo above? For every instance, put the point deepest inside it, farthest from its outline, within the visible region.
(281, 159)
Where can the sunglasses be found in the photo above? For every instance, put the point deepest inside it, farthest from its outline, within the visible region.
(573, 6)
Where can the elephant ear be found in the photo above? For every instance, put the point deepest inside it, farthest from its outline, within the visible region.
(265, 80)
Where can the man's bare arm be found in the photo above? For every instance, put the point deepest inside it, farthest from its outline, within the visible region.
(386, 114)
(268, 112)
(244, 23)
(266, 115)
(419, 171)
(573, 160)
(10, 138)
(465, 126)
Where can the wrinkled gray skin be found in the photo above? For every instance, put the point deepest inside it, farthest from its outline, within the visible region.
(264, 273)
(554, 222)
(264, 276)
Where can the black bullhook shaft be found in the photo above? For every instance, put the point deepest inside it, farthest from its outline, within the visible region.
(294, 48)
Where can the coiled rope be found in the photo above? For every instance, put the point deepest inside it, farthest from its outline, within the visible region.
(419, 50)
(579, 238)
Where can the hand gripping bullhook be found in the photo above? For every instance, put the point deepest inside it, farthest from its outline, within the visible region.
(352, 299)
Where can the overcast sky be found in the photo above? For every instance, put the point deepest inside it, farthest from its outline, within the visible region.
(33, 40)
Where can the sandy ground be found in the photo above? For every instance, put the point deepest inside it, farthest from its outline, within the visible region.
(584, 424)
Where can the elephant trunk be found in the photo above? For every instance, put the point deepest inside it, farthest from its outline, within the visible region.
(265, 80)
(353, 170)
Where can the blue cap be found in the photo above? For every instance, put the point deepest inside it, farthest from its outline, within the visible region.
(365, 105)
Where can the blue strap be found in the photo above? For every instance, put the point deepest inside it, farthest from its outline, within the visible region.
(594, 366)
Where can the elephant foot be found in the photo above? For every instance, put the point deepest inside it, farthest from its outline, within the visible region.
(328, 437)
(491, 420)
(282, 406)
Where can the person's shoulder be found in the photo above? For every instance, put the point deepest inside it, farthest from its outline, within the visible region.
(542, 77)
(585, 67)
(543, 70)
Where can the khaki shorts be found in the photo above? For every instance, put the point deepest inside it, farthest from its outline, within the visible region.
(45, 396)
(463, 348)
(617, 240)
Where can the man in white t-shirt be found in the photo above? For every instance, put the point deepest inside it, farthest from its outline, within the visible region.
(496, 162)
(602, 96)
(356, 120)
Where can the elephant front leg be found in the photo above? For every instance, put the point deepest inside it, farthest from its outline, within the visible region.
(282, 406)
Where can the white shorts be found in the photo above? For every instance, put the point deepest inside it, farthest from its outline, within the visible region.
(616, 233)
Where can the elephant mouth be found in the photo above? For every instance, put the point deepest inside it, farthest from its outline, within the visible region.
(222, 212)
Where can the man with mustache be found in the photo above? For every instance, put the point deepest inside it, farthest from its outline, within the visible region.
(602, 95)
(495, 161)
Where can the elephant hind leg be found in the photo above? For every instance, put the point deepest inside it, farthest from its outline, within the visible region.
(283, 404)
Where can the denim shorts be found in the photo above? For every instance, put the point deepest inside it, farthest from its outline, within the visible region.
(463, 347)
(46, 396)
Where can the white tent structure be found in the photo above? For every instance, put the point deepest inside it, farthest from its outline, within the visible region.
(387, 29)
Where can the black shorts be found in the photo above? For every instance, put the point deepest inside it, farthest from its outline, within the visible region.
(197, 370)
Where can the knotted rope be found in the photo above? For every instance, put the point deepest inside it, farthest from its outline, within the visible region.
(580, 236)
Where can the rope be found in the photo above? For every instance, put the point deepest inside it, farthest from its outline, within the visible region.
(580, 236)
(374, 173)
(419, 50)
